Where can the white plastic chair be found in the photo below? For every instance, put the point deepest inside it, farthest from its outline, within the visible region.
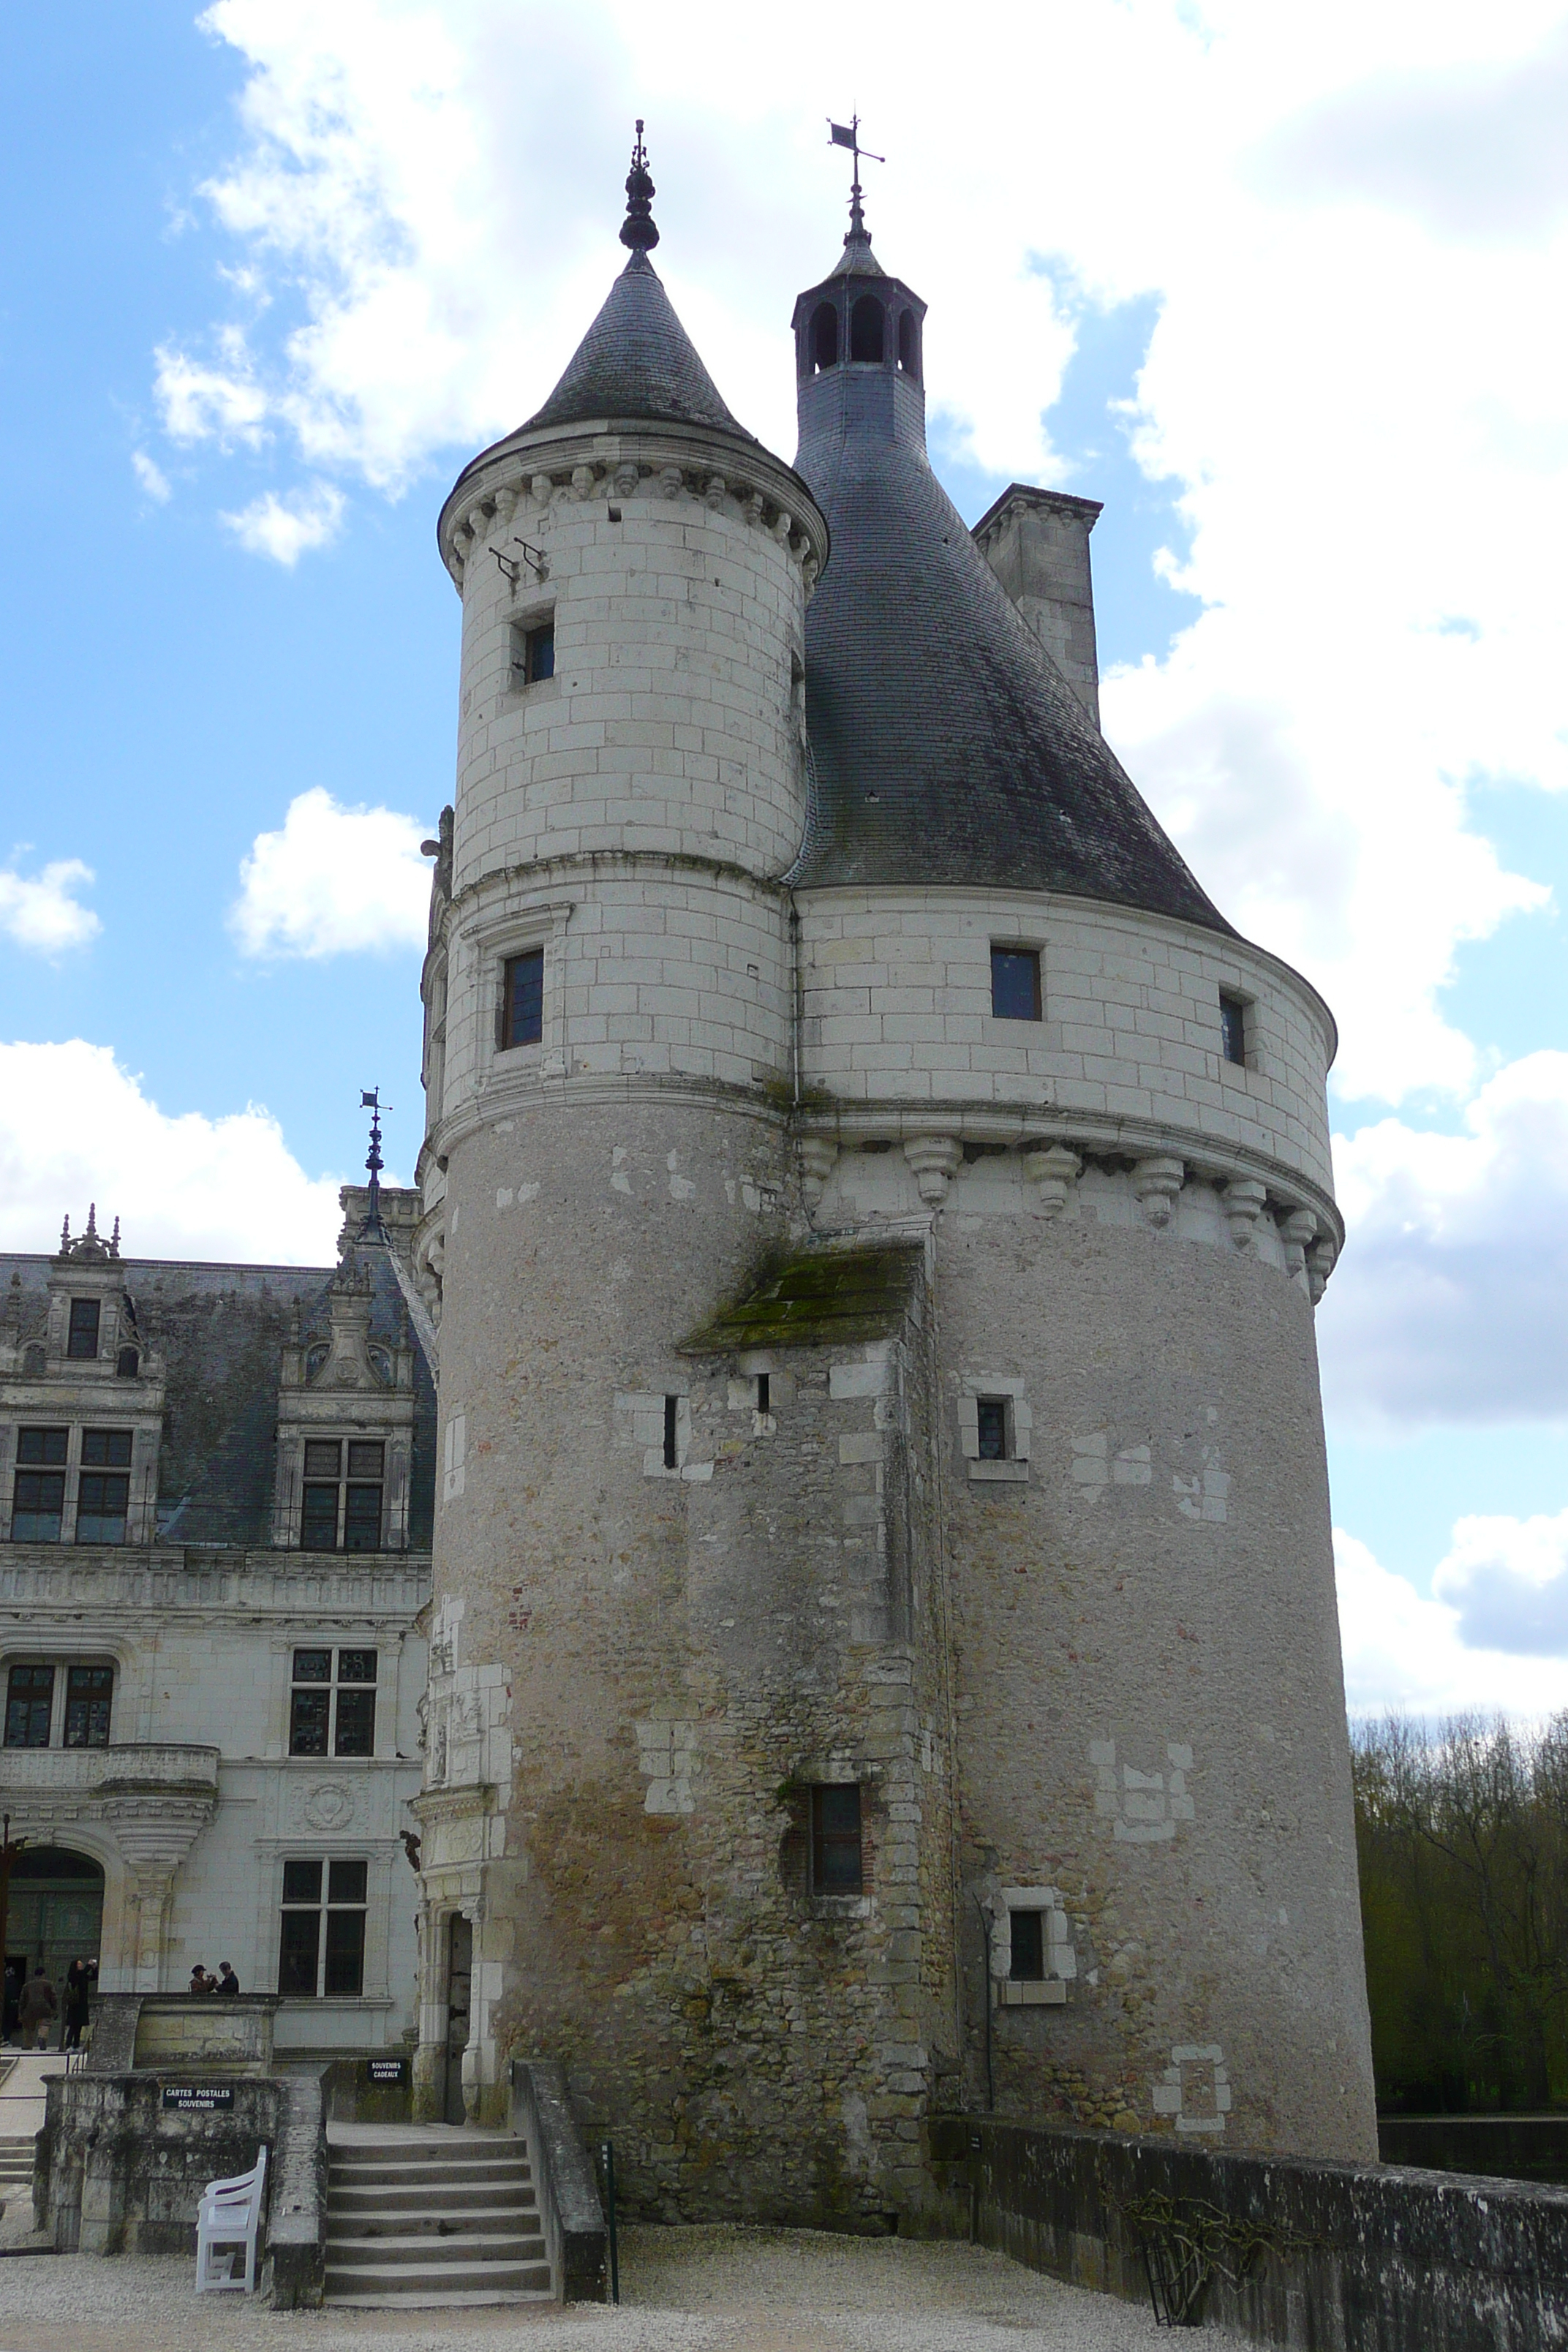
(228, 2217)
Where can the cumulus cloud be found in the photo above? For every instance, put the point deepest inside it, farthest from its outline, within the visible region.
(1405, 1651)
(150, 476)
(1451, 1300)
(286, 528)
(1357, 407)
(41, 911)
(75, 1127)
(332, 881)
(1508, 1580)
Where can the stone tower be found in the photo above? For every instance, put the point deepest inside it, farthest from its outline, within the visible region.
(883, 1627)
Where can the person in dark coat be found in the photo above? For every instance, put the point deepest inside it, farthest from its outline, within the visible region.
(227, 1980)
(79, 1985)
(37, 2007)
(16, 1977)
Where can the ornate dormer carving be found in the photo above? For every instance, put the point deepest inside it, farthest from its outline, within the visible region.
(345, 1418)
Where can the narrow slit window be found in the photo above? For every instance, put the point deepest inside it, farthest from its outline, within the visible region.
(1233, 1029)
(838, 1859)
(127, 1364)
(1016, 983)
(824, 336)
(991, 1415)
(82, 1338)
(671, 1433)
(763, 1392)
(1027, 1930)
(523, 999)
(909, 345)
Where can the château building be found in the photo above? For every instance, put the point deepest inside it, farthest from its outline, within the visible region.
(883, 1653)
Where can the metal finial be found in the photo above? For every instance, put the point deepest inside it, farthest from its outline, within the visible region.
(847, 134)
(637, 229)
(370, 1227)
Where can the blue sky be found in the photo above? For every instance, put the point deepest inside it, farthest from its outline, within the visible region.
(270, 282)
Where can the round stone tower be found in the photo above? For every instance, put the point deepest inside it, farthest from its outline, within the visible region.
(883, 1618)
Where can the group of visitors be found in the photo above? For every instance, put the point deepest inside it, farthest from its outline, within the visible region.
(225, 1982)
(32, 2004)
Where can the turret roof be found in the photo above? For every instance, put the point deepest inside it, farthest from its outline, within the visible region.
(636, 362)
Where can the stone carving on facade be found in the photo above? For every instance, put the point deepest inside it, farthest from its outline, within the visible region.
(1053, 1168)
(1156, 1187)
(935, 1161)
(1243, 1201)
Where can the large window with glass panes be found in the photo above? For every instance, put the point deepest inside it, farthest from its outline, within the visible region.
(345, 1484)
(320, 1945)
(332, 1703)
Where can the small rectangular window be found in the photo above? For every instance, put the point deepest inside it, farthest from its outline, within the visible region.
(1233, 1028)
(671, 1433)
(82, 1340)
(29, 1705)
(37, 1505)
(319, 1519)
(361, 1520)
(1027, 1965)
(836, 1860)
(323, 1457)
(106, 1449)
(42, 1445)
(102, 1500)
(365, 1460)
(89, 1692)
(763, 1392)
(1016, 983)
(523, 999)
(536, 654)
(992, 1413)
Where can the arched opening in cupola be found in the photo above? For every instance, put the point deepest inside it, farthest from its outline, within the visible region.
(909, 344)
(866, 329)
(824, 336)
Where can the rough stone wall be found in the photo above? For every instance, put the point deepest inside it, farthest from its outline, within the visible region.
(1150, 1706)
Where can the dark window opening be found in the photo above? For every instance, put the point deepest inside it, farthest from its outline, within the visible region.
(671, 1412)
(824, 336)
(90, 1693)
(1233, 1029)
(41, 1445)
(308, 1963)
(762, 1390)
(37, 1505)
(866, 323)
(106, 1449)
(539, 654)
(319, 1519)
(101, 1503)
(29, 1705)
(361, 1520)
(837, 1859)
(332, 1717)
(523, 999)
(127, 1364)
(909, 344)
(1016, 983)
(332, 1515)
(83, 1339)
(1027, 1965)
(993, 1413)
(323, 1457)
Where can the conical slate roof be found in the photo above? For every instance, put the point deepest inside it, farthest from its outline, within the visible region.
(946, 747)
(636, 362)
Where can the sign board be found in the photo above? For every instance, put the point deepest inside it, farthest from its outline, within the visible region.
(387, 2070)
(198, 2099)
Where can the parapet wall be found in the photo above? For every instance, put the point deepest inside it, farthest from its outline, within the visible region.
(1370, 2258)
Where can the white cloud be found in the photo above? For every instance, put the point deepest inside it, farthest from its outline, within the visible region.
(333, 881)
(75, 1128)
(150, 476)
(286, 528)
(1450, 1302)
(1507, 1579)
(1353, 387)
(1405, 1651)
(42, 911)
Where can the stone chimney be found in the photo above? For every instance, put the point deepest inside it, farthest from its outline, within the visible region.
(1036, 542)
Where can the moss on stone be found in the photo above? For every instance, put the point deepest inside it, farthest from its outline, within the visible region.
(820, 1298)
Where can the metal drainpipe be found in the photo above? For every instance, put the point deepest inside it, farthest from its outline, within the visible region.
(794, 972)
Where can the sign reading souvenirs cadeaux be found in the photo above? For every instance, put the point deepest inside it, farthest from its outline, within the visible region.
(198, 2099)
(388, 2070)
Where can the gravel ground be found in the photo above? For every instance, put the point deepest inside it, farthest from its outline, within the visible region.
(689, 2290)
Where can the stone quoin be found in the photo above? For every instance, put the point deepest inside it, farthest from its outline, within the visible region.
(883, 1653)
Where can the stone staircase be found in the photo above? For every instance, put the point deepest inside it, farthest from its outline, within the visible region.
(432, 2215)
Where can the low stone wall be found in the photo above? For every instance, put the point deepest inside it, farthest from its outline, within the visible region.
(575, 2239)
(1324, 2257)
(354, 2095)
(1513, 2148)
(117, 2172)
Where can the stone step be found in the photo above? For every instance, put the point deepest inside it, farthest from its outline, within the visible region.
(417, 2166)
(508, 2243)
(426, 2196)
(478, 2221)
(437, 2299)
(491, 2282)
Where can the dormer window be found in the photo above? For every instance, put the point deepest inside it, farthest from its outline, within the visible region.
(81, 1342)
(866, 324)
(339, 1511)
(824, 336)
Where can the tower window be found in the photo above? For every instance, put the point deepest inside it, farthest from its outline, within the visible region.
(82, 1341)
(1016, 983)
(523, 999)
(1233, 1028)
(1027, 1964)
(824, 336)
(127, 1364)
(671, 1433)
(539, 654)
(867, 323)
(992, 1415)
(909, 344)
(837, 1861)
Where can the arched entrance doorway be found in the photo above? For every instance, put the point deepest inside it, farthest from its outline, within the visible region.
(55, 1915)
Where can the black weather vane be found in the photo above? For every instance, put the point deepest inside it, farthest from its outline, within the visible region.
(847, 134)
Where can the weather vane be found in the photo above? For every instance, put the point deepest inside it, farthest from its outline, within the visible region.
(847, 134)
(370, 1227)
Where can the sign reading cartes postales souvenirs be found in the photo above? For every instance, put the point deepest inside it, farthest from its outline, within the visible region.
(388, 2070)
(198, 2099)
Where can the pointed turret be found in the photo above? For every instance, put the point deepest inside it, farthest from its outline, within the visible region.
(947, 749)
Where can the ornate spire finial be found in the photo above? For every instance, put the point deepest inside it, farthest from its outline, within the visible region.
(64, 1233)
(114, 1240)
(637, 229)
(91, 1232)
(847, 134)
(370, 1227)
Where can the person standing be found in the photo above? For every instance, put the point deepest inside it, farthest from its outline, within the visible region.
(227, 1982)
(78, 1986)
(37, 2006)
